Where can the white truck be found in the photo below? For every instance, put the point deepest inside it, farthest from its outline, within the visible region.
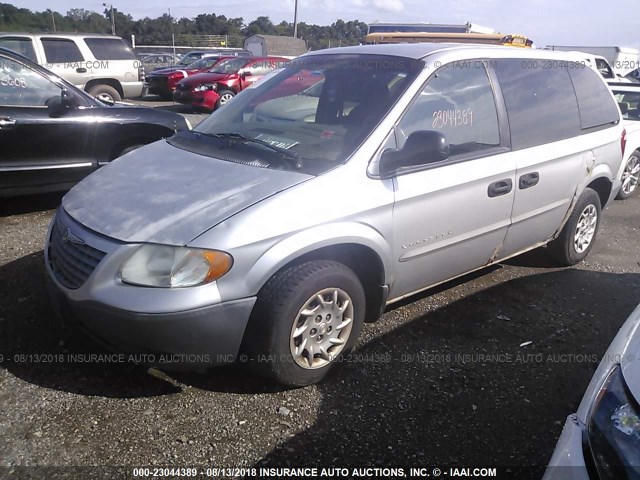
(628, 98)
(622, 59)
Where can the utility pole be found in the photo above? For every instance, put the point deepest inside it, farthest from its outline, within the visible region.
(53, 19)
(295, 19)
(113, 18)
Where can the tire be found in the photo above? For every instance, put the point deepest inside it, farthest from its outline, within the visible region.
(225, 96)
(105, 91)
(630, 176)
(277, 343)
(579, 233)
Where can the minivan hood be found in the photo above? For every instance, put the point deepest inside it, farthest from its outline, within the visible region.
(163, 194)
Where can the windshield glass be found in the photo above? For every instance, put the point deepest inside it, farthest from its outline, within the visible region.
(316, 111)
(629, 102)
(206, 62)
(231, 66)
(189, 59)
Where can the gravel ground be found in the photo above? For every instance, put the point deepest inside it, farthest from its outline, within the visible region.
(441, 379)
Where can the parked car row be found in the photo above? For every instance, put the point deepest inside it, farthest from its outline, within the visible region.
(54, 134)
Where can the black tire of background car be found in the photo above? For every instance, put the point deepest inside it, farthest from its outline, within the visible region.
(278, 304)
(621, 195)
(222, 93)
(105, 90)
(562, 249)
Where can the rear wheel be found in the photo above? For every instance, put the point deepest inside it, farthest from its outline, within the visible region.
(306, 317)
(106, 93)
(630, 176)
(225, 97)
(579, 233)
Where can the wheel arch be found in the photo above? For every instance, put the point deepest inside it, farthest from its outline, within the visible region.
(364, 254)
(112, 82)
(603, 187)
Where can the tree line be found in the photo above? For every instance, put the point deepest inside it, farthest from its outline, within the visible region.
(154, 31)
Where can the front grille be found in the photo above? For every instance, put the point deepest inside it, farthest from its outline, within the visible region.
(71, 261)
(157, 79)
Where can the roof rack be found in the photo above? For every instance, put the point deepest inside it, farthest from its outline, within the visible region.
(420, 37)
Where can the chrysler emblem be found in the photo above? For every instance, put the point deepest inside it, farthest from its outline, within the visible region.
(68, 236)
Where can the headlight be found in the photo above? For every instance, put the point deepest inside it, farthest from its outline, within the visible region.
(614, 430)
(205, 86)
(164, 266)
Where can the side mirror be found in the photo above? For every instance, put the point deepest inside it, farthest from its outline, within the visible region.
(421, 148)
(245, 74)
(56, 106)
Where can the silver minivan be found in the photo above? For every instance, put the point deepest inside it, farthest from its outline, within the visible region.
(347, 181)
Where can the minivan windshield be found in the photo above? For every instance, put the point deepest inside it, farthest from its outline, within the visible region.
(310, 117)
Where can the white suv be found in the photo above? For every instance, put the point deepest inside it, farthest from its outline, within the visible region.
(103, 65)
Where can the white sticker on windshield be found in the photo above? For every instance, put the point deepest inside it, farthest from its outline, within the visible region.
(280, 142)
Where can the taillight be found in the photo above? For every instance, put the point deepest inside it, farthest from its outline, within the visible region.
(623, 140)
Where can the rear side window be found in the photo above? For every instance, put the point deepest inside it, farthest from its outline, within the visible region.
(61, 50)
(595, 104)
(540, 101)
(109, 49)
(458, 102)
(21, 45)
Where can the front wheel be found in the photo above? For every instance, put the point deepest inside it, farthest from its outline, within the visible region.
(306, 317)
(579, 233)
(630, 176)
(225, 97)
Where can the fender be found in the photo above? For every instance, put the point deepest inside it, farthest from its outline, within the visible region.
(306, 241)
(599, 171)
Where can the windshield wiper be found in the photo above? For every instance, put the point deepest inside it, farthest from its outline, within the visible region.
(288, 154)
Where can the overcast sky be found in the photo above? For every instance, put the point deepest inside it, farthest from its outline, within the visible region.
(561, 22)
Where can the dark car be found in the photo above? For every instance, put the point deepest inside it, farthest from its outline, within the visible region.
(220, 84)
(52, 134)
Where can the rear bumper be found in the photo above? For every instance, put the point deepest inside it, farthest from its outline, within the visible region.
(132, 89)
(190, 339)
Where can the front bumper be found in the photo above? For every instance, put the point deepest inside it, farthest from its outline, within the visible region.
(157, 86)
(190, 328)
(567, 462)
(206, 100)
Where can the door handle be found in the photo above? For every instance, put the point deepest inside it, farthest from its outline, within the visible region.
(501, 187)
(81, 70)
(6, 122)
(529, 180)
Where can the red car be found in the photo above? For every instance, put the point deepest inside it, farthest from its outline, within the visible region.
(213, 89)
(163, 82)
